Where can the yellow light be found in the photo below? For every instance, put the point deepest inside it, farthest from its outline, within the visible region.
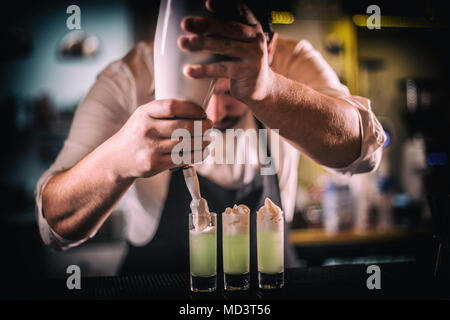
(360, 20)
(396, 22)
(282, 17)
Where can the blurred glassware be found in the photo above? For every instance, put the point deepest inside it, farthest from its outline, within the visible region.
(338, 203)
(79, 44)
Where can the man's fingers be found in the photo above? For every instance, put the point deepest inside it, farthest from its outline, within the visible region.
(169, 109)
(167, 145)
(246, 15)
(165, 162)
(232, 10)
(218, 6)
(224, 69)
(166, 128)
(223, 46)
(215, 27)
(169, 161)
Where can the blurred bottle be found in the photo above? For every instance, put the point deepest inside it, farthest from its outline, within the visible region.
(361, 188)
(308, 207)
(382, 184)
(337, 204)
(384, 198)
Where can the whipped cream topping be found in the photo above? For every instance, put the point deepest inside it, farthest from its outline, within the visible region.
(200, 211)
(199, 206)
(236, 220)
(270, 217)
(207, 230)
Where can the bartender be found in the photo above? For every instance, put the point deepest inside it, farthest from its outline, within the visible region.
(119, 146)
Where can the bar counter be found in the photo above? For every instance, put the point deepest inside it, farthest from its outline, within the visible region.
(405, 280)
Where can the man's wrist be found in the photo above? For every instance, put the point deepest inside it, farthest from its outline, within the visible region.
(111, 162)
(267, 93)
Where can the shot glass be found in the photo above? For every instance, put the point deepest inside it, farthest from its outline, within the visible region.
(203, 256)
(270, 247)
(236, 251)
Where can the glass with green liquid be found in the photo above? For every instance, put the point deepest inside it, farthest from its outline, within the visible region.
(270, 247)
(236, 251)
(203, 256)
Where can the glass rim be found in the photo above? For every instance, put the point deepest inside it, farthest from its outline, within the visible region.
(211, 213)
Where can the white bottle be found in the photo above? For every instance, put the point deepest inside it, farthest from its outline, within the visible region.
(169, 59)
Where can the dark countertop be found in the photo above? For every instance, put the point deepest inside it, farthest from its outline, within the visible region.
(398, 281)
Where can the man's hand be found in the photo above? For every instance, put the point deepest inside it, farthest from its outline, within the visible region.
(321, 126)
(77, 201)
(143, 146)
(245, 43)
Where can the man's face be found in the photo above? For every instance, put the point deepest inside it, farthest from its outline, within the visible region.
(224, 110)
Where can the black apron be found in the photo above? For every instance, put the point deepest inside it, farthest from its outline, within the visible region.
(168, 251)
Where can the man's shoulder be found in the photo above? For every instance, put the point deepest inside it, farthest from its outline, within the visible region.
(287, 51)
(134, 60)
(137, 55)
(285, 44)
(290, 46)
(139, 63)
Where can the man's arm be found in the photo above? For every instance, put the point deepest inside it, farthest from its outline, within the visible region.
(77, 202)
(324, 127)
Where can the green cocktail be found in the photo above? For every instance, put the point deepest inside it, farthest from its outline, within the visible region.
(236, 253)
(270, 245)
(203, 256)
(270, 252)
(236, 247)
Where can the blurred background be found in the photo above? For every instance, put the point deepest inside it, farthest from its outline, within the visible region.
(385, 216)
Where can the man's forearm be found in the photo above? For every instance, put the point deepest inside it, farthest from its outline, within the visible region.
(76, 202)
(324, 128)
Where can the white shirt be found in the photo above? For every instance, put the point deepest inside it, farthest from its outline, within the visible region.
(127, 83)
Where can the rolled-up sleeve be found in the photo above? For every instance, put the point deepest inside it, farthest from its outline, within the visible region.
(105, 108)
(372, 135)
(307, 66)
(65, 160)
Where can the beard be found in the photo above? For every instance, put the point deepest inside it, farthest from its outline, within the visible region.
(228, 122)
